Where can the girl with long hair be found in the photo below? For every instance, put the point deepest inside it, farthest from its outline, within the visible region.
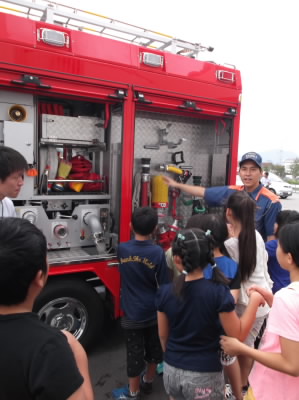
(191, 313)
(248, 249)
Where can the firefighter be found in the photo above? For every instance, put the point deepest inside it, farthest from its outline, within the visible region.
(250, 171)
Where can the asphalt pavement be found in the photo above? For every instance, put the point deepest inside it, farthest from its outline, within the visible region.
(291, 203)
(107, 363)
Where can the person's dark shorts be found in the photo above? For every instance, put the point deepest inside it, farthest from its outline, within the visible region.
(143, 345)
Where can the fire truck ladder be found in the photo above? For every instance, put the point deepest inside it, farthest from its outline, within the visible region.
(86, 21)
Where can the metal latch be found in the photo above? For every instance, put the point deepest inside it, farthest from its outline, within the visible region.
(30, 79)
(141, 98)
(191, 105)
(119, 94)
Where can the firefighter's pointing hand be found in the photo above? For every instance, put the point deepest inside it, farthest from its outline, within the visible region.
(170, 181)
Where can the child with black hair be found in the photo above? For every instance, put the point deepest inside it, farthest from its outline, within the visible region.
(218, 227)
(216, 224)
(143, 269)
(37, 361)
(248, 249)
(12, 169)
(279, 276)
(191, 313)
(275, 374)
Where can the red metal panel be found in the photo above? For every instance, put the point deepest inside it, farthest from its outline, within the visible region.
(199, 71)
(99, 57)
(108, 274)
(59, 84)
(103, 49)
(46, 63)
(197, 105)
(17, 30)
(127, 167)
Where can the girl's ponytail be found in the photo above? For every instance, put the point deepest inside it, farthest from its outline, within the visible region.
(195, 248)
(217, 274)
(243, 209)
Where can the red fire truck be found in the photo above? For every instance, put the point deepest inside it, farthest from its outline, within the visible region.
(101, 110)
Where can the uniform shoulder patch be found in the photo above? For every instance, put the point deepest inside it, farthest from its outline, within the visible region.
(270, 195)
(236, 187)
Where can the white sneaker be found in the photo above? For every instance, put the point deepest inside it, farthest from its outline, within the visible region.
(228, 392)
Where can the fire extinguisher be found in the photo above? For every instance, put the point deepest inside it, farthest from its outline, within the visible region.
(160, 202)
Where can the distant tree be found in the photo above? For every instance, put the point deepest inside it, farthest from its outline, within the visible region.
(294, 168)
(278, 170)
(267, 167)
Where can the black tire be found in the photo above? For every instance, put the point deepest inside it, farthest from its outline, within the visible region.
(272, 190)
(283, 197)
(72, 305)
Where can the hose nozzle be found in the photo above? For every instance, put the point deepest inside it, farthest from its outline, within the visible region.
(171, 168)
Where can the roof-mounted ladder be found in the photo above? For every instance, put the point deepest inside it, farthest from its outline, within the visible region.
(86, 21)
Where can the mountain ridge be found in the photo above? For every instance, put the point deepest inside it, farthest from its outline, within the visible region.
(277, 156)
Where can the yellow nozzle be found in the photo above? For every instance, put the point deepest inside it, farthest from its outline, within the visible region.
(176, 170)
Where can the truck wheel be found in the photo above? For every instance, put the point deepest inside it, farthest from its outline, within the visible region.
(74, 306)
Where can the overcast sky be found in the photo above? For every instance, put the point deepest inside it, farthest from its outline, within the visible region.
(259, 37)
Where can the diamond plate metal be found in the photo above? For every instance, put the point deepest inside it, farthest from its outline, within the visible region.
(56, 127)
(205, 149)
(202, 143)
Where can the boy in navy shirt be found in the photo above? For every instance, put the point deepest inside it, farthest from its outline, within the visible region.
(143, 269)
